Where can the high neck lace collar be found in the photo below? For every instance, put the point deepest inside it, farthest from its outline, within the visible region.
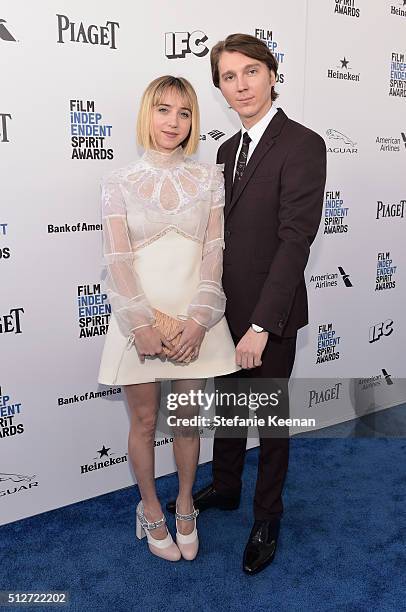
(164, 160)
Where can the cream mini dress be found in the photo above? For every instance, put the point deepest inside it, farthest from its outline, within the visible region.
(163, 228)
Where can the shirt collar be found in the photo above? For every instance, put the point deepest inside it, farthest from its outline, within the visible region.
(257, 130)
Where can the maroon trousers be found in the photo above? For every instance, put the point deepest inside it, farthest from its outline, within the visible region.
(230, 442)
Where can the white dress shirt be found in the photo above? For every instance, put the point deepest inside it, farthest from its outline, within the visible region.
(255, 133)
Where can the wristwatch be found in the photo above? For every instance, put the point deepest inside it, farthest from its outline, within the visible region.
(257, 328)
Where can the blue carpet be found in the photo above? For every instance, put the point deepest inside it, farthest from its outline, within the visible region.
(342, 543)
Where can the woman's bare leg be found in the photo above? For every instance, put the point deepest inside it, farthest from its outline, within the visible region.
(143, 402)
(186, 448)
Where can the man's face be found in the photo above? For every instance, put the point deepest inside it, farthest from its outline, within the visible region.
(246, 84)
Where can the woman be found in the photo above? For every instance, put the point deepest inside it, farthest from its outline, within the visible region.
(163, 242)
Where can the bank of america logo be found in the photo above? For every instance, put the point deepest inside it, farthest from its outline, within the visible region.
(4, 33)
(404, 138)
(216, 134)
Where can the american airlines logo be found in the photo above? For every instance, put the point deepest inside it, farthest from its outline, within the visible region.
(345, 277)
(5, 34)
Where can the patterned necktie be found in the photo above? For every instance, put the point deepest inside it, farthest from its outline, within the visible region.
(242, 158)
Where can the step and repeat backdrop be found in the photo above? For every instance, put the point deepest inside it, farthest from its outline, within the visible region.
(72, 77)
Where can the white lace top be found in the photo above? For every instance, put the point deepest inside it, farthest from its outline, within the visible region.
(163, 192)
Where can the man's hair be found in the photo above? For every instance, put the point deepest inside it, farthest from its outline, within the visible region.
(153, 96)
(248, 45)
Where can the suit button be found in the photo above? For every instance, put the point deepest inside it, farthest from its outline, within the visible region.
(227, 233)
(281, 324)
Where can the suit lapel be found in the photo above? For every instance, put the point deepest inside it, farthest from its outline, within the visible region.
(229, 166)
(265, 144)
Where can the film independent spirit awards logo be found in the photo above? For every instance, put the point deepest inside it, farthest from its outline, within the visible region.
(335, 213)
(5, 251)
(385, 272)
(180, 44)
(327, 343)
(10, 410)
(94, 311)
(346, 7)
(397, 86)
(89, 135)
(267, 36)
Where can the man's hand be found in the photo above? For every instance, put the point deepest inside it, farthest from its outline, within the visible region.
(248, 351)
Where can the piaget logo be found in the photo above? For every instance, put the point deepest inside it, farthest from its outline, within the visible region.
(390, 210)
(92, 34)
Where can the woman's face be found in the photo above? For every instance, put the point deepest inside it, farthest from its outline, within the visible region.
(171, 121)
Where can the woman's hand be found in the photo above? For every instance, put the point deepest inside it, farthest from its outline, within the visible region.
(189, 343)
(148, 341)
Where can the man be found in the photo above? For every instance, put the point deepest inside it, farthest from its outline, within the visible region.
(275, 171)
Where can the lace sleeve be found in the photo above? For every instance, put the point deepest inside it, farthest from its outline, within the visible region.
(208, 305)
(123, 286)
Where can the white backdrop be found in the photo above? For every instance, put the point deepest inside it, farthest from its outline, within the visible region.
(336, 59)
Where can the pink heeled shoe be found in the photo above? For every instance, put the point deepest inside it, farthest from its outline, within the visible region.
(187, 544)
(166, 548)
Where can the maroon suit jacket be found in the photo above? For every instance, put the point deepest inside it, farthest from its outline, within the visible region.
(271, 219)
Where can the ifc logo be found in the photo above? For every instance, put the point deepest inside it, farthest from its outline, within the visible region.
(178, 44)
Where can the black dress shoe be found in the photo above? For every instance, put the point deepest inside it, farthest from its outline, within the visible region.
(261, 546)
(209, 498)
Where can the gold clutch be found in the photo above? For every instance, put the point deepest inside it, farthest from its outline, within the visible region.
(167, 325)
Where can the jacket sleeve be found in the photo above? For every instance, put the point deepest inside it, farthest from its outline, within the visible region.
(208, 305)
(123, 286)
(301, 202)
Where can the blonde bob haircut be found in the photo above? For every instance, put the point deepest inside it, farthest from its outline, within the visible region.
(153, 96)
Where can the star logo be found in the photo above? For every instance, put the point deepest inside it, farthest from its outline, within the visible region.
(104, 452)
(344, 63)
